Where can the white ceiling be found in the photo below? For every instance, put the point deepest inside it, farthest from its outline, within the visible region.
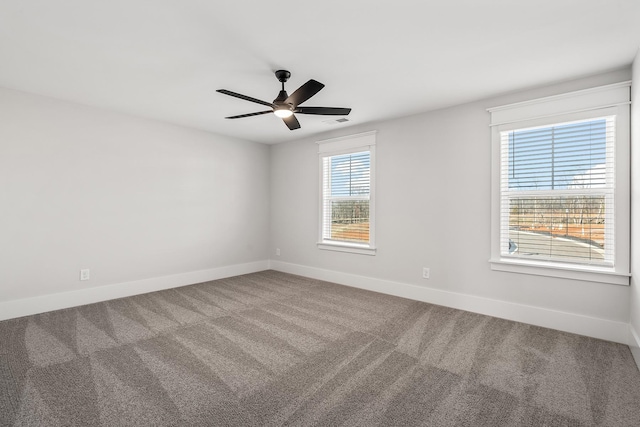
(164, 59)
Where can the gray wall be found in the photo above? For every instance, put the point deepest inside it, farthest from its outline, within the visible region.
(433, 210)
(128, 198)
(635, 208)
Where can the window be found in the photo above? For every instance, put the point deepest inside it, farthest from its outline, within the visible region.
(557, 191)
(347, 202)
(561, 186)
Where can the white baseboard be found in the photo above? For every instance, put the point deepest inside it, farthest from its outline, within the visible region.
(568, 322)
(44, 303)
(634, 344)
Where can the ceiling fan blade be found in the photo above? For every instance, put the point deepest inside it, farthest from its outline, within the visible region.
(291, 122)
(327, 111)
(249, 114)
(245, 97)
(304, 92)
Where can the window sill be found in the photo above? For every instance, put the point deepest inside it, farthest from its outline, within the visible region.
(353, 248)
(564, 271)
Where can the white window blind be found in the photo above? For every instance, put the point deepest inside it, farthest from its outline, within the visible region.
(557, 192)
(347, 193)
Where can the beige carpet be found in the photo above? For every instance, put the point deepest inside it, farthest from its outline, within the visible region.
(271, 349)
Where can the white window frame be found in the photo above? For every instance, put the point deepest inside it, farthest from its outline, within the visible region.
(580, 105)
(344, 145)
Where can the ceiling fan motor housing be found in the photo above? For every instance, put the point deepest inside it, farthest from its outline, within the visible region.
(281, 97)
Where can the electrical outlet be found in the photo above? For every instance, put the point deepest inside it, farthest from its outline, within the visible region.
(425, 273)
(84, 274)
(277, 251)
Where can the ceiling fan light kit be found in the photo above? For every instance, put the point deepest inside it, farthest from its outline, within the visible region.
(283, 112)
(284, 106)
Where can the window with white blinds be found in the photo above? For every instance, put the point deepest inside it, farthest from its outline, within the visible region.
(557, 192)
(346, 193)
(560, 192)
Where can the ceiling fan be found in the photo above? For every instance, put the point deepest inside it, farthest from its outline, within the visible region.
(284, 106)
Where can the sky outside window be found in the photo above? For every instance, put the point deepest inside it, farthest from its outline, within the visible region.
(350, 174)
(558, 157)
